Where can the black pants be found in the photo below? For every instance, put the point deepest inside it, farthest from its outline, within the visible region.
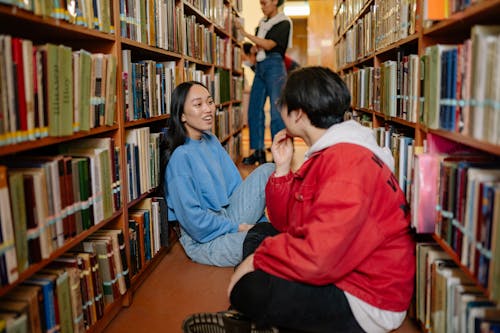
(270, 300)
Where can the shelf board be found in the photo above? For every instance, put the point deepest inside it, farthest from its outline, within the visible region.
(357, 17)
(110, 313)
(460, 22)
(446, 247)
(69, 244)
(48, 141)
(143, 196)
(149, 51)
(467, 140)
(46, 29)
(140, 122)
(189, 9)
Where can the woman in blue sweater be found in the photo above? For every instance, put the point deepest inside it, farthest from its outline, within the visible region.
(203, 187)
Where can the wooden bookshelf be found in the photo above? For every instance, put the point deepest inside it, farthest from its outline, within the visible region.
(361, 57)
(143, 42)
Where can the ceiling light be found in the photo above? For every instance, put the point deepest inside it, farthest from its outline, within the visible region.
(296, 8)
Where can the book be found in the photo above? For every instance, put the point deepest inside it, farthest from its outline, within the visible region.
(30, 295)
(63, 295)
(103, 250)
(65, 64)
(50, 58)
(47, 284)
(82, 64)
(71, 265)
(110, 97)
(163, 221)
(481, 36)
(17, 198)
(14, 322)
(119, 256)
(8, 259)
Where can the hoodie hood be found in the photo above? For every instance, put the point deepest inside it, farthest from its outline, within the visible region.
(352, 132)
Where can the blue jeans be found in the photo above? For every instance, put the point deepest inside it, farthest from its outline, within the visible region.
(246, 205)
(270, 75)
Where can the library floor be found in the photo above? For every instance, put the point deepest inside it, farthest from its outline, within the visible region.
(178, 287)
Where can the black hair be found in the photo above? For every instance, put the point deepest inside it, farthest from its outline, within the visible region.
(319, 92)
(247, 47)
(280, 2)
(176, 132)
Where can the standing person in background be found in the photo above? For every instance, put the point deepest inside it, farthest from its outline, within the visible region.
(202, 185)
(250, 53)
(273, 36)
(338, 255)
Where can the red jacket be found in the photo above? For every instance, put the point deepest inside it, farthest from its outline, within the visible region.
(344, 221)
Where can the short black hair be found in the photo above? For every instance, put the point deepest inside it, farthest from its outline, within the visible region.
(280, 2)
(247, 47)
(319, 92)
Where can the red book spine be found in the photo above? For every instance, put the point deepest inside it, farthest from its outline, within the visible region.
(17, 59)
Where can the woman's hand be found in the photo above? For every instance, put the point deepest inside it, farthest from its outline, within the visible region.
(238, 25)
(246, 266)
(282, 149)
(244, 227)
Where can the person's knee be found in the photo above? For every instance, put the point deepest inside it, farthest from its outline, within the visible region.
(250, 294)
(266, 169)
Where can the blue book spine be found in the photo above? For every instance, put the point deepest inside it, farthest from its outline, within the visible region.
(147, 238)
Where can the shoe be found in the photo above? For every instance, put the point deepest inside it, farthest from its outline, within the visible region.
(258, 156)
(230, 321)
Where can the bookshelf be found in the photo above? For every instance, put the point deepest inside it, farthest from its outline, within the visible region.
(420, 69)
(95, 85)
(421, 74)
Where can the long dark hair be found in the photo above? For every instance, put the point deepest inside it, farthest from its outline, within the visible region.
(176, 133)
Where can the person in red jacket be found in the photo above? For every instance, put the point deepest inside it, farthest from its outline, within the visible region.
(338, 255)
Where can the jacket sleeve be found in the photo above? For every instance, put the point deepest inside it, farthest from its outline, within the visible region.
(277, 194)
(329, 244)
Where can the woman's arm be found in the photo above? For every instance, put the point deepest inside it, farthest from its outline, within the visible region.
(202, 224)
(266, 44)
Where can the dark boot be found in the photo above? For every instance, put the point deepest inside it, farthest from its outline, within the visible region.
(258, 156)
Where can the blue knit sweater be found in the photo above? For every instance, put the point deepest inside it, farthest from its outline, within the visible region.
(200, 179)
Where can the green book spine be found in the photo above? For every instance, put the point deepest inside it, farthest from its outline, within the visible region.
(66, 90)
(16, 186)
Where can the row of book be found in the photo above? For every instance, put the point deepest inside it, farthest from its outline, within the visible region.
(142, 152)
(468, 97)
(386, 22)
(391, 88)
(456, 81)
(71, 294)
(447, 300)
(166, 26)
(200, 41)
(93, 14)
(50, 90)
(345, 12)
(47, 200)
(233, 147)
(147, 86)
(228, 122)
(224, 52)
(148, 231)
(434, 11)
(155, 23)
(457, 197)
(402, 148)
